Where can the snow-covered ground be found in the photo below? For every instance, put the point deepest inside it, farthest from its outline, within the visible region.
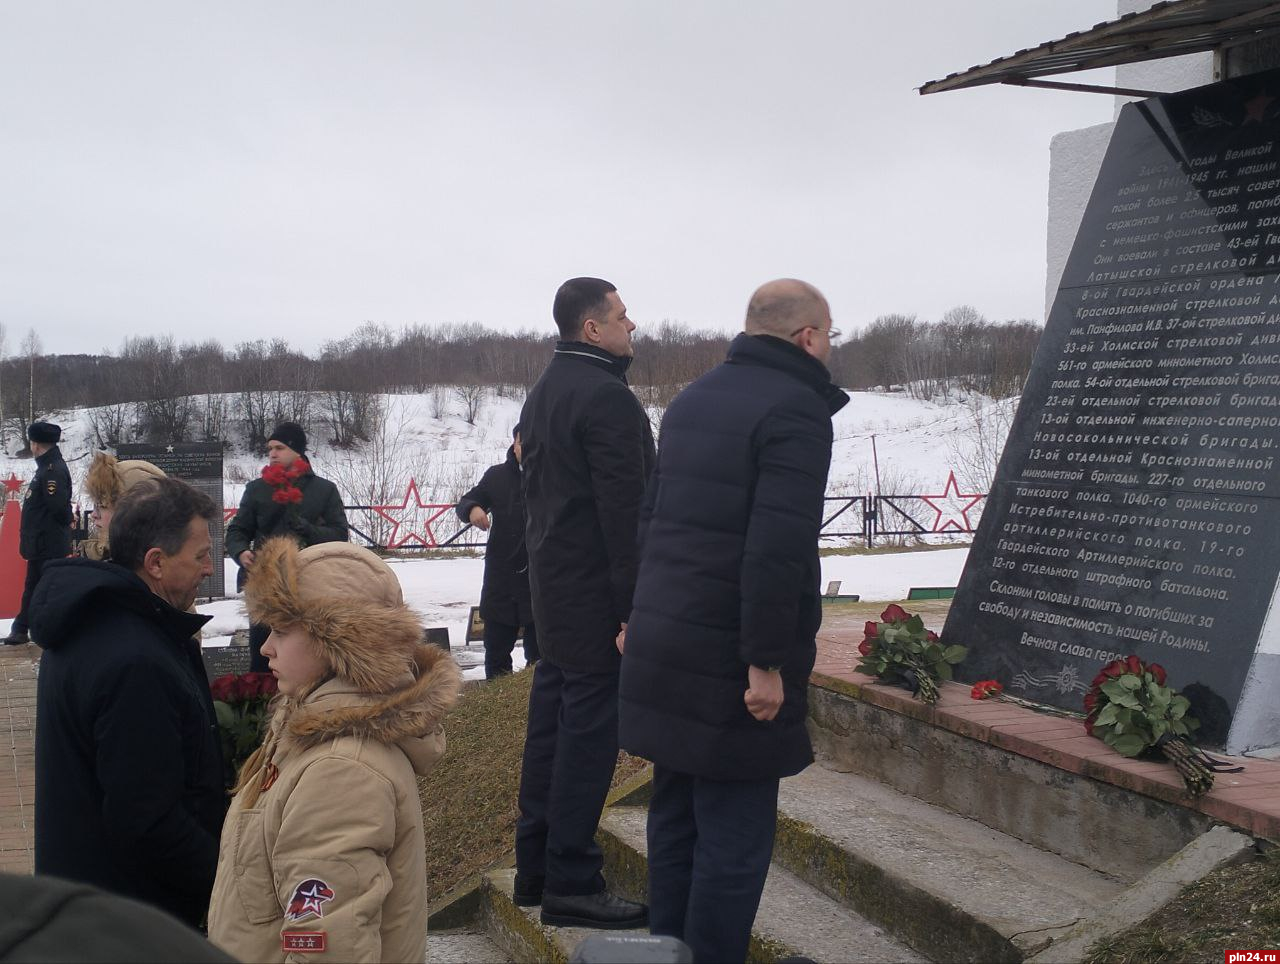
(425, 438)
(917, 444)
(444, 590)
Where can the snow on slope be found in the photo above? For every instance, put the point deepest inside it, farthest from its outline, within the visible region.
(917, 442)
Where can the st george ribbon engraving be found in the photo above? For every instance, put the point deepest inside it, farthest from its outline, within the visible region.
(1136, 508)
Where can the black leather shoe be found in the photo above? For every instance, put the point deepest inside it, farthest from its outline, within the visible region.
(17, 639)
(528, 890)
(604, 910)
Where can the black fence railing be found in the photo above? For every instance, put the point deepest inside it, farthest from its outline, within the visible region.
(866, 517)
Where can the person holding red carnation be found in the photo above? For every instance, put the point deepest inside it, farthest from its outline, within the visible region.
(288, 500)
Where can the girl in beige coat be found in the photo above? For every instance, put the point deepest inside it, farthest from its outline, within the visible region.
(322, 853)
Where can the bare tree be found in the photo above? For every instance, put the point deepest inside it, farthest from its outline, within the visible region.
(472, 398)
(31, 348)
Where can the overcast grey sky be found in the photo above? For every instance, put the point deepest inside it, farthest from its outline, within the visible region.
(294, 168)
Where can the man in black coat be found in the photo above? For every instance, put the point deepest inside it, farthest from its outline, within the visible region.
(129, 779)
(288, 500)
(45, 533)
(496, 505)
(587, 451)
(720, 642)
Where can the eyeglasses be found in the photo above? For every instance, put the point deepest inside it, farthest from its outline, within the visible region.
(833, 334)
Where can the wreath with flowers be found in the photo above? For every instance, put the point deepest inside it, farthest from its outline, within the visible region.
(283, 481)
(899, 650)
(1131, 708)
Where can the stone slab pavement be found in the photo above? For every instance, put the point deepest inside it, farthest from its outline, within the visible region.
(17, 757)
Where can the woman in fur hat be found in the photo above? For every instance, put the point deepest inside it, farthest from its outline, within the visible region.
(323, 849)
(108, 479)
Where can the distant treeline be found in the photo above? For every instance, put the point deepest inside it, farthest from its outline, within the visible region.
(159, 390)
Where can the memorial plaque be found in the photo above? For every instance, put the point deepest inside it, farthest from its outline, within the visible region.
(1135, 507)
(200, 465)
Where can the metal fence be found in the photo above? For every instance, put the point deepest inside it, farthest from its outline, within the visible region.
(435, 525)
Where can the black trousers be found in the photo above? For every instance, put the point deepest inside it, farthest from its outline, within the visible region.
(258, 634)
(710, 842)
(34, 569)
(500, 641)
(570, 751)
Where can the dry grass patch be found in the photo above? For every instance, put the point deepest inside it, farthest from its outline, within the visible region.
(1234, 908)
(469, 799)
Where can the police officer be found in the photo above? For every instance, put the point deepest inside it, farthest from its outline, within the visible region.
(46, 517)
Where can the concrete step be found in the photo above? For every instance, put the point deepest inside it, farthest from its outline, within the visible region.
(794, 917)
(1087, 821)
(464, 947)
(518, 932)
(948, 886)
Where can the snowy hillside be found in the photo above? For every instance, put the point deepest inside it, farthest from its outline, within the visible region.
(918, 443)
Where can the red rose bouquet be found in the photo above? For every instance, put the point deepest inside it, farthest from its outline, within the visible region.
(282, 480)
(1131, 708)
(899, 650)
(986, 688)
(240, 703)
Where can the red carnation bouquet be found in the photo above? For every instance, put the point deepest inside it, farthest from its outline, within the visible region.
(899, 650)
(1131, 708)
(283, 481)
(240, 703)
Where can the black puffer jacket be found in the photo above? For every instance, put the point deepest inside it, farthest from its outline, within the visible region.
(319, 517)
(505, 596)
(46, 510)
(588, 450)
(129, 779)
(729, 566)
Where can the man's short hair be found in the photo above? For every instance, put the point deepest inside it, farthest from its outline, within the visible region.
(156, 513)
(576, 301)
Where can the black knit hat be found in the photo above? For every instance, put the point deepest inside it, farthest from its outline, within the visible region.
(45, 432)
(292, 435)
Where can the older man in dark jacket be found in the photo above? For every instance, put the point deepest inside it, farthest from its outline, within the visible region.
(587, 451)
(129, 780)
(720, 642)
(496, 504)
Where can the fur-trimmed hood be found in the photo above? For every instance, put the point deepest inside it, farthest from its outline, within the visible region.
(384, 684)
(347, 599)
(409, 716)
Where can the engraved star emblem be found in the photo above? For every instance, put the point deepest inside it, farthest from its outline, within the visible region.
(169, 449)
(420, 517)
(1255, 110)
(952, 507)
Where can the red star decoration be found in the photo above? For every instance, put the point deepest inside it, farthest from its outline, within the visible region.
(954, 505)
(431, 512)
(1256, 109)
(12, 485)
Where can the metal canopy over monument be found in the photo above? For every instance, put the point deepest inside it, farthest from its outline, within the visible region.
(1168, 29)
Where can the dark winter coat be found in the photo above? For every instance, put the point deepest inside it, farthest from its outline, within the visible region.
(319, 517)
(729, 566)
(505, 596)
(129, 778)
(46, 510)
(587, 449)
(48, 920)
